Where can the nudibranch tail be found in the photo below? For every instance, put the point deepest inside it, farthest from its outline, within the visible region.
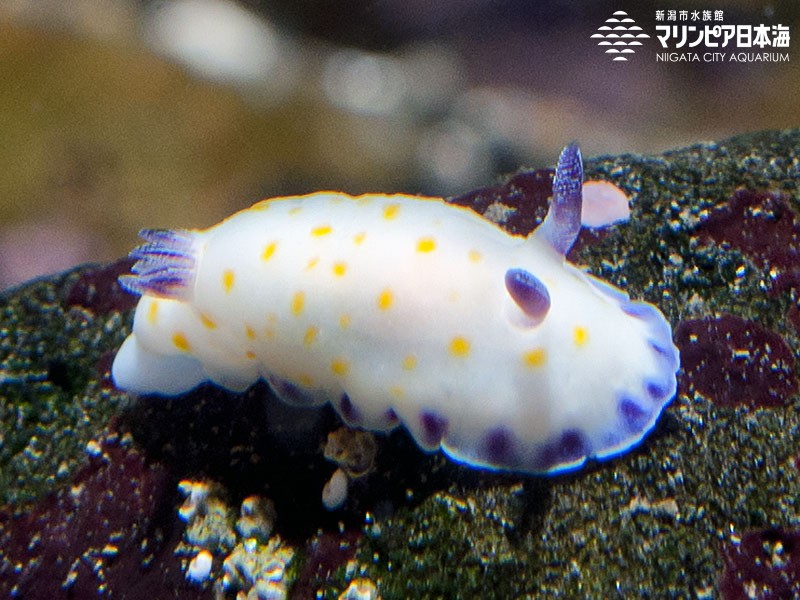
(165, 265)
(563, 221)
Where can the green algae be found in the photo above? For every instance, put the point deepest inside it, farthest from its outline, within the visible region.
(52, 402)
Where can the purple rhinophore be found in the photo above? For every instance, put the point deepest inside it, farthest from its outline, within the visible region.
(528, 292)
(165, 265)
(500, 447)
(348, 411)
(633, 415)
(563, 221)
(434, 427)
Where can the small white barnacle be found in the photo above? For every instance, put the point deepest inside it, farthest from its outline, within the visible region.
(334, 493)
(199, 569)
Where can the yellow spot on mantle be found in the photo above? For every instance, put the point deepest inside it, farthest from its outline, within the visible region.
(269, 250)
(321, 230)
(305, 379)
(152, 312)
(426, 244)
(580, 336)
(340, 366)
(249, 332)
(207, 321)
(459, 347)
(180, 342)
(397, 391)
(390, 211)
(250, 354)
(534, 358)
(410, 362)
(227, 280)
(475, 256)
(359, 237)
(385, 299)
(311, 335)
(344, 321)
(312, 263)
(298, 303)
(339, 269)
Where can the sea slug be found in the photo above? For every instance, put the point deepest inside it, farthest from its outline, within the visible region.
(407, 310)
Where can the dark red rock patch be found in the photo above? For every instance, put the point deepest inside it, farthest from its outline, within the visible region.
(765, 228)
(105, 535)
(735, 362)
(527, 192)
(99, 291)
(327, 552)
(766, 562)
(794, 317)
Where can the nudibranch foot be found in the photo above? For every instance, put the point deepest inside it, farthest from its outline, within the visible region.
(406, 310)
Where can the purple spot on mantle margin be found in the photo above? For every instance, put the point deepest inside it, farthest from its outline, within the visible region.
(570, 447)
(733, 361)
(391, 416)
(348, 411)
(633, 416)
(434, 426)
(500, 446)
(656, 390)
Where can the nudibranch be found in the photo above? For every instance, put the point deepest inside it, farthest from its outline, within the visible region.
(407, 310)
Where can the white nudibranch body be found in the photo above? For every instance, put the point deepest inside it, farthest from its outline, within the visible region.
(399, 309)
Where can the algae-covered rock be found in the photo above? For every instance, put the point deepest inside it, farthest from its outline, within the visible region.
(706, 506)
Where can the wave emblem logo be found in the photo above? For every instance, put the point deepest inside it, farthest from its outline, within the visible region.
(620, 33)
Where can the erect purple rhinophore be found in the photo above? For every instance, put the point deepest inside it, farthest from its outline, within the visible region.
(563, 221)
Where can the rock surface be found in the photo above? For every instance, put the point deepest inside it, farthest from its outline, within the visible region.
(706, 507)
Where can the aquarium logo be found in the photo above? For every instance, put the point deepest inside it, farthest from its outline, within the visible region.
(620, 35)
(734, 42)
